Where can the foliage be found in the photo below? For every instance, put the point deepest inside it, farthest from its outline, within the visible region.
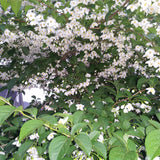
(99, 63)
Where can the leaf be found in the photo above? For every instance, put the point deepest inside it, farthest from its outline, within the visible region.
(120, 153)
(3, 101)
(152, 144)
(154, 123)
(59, 147)
(77, 116)
(84, 142)
(141, 81)
(2, 157)
(100, 149)
(94, 135)
(22, 150)
(158, 116)
(77, 127)
(32, 111)
(149, 129)
(5, 4)
(15, 5)
(48, 118)
(29, 127)
(5, 112)
(119, 136)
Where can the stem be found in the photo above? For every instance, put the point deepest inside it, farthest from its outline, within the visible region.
(26, 115)
(126, 99)
(4, 100)
(56, 130)
(44, 124)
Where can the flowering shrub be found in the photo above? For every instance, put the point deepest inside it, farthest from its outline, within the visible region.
(98, 61)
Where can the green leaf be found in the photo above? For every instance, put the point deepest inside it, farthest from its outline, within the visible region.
(15, 5)
(59, 147)
(154, 123)
(94, 135)
(5, 4)
(149, 129)
(5, 112)
(141, 81)
(152, 144)
(29, 127)
(125, 124)
(2, 157)
(84, 142)
(120, 153)
(100, 149)
(119, 136)
(77, 116)
(77, 127)
(32, 111)
(48, 118)
(3, 101)
(22, 150)
(158, 116)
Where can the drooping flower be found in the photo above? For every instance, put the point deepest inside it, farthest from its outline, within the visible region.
(150, 90)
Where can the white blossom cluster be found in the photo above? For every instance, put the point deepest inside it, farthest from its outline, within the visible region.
(51, 33)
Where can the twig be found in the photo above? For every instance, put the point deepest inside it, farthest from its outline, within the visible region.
(126, 99)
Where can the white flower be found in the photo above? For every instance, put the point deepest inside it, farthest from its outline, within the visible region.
(129, 107)
(63, 121)
(150, 90)
(34, 136)
(30, 15)
(16, 143)
(51, 136)
(149, 53)
(80, 107)
(101, 138)
(33, 152)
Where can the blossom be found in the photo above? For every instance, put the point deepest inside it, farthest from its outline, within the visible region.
(63, 121)
(16, 143)
(150, 90)
(34, 136)
(80, 107)
(51, 136)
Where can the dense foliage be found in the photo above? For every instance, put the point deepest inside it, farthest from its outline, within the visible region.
(98, 61)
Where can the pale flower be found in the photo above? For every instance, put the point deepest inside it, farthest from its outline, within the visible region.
(51, 136)
(80, 107)
(63, 121)
(150, 90)
(16, 143)
(34, 136)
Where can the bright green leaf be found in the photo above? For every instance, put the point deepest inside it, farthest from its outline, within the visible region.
(100, 149)
(154, 123)
(77, 127)
(120, 153)
(84, 142)
(15, 5)
(59, 147)
(29, 127)
(152, 144)
(5, 112)
(5, 4)
(32, 111)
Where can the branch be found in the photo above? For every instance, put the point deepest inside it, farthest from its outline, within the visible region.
(126, 99)
(114, 13)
